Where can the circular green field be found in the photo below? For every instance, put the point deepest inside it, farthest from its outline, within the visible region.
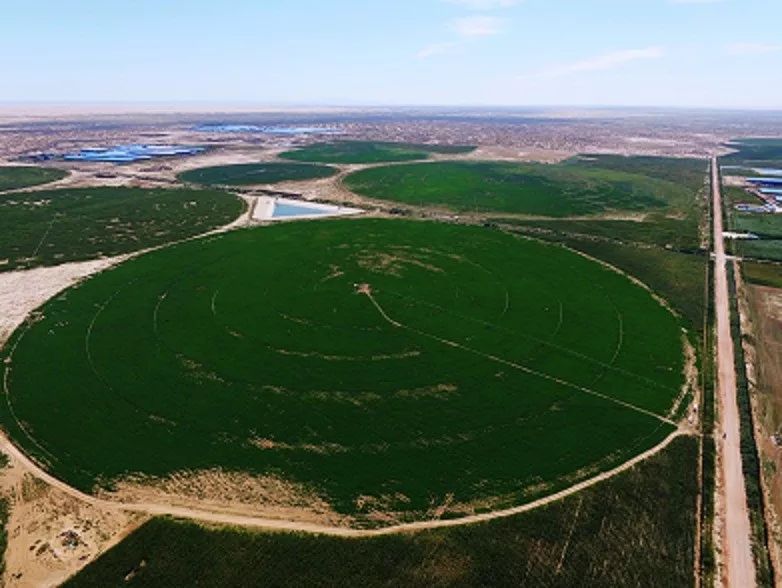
(555, 190)
(395, 370)
(370, 152)
(14, 177)
(49, 227)
(256, 173)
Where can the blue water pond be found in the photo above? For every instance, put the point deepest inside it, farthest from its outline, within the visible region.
(131, 153)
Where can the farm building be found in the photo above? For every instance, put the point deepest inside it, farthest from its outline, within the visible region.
(766, 182)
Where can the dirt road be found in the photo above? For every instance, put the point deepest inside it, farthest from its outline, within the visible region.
(737, 551)
(233, 519)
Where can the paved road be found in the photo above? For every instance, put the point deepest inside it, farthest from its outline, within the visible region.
(739, 565)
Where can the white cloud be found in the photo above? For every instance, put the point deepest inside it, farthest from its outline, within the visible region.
(603, 62)
(477, 26)
(753, 48)
(434, 49)
(484, 4)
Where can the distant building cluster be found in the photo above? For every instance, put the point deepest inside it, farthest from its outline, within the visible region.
(121, 153)
(270, 130)
(769, 188)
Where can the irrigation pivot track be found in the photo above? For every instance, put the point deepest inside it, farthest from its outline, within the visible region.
(740, 567)
(250, 521)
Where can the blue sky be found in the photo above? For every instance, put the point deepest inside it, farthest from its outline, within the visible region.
(362, 52)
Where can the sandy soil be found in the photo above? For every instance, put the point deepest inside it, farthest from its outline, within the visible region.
(23, 291)
(737, 552)
(229, 493)
(499, 153)
(51, 534)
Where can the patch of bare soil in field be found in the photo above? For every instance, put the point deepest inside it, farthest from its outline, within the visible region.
(51, 535)
(23, 291)
(393, 261)
(500, 153)
(233, 493)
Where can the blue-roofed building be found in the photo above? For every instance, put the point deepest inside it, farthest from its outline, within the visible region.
(766, 182)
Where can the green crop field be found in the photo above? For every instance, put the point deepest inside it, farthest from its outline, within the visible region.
(391, 367)
(663, 232)
(636, 529)
(763, 274)
(4, 511)
(370, 152)
(676, 277)
(255, 173)
(766, 226)
(55, 226)
(554, 190)
(690, 173)
(18, 176)
(754, 153)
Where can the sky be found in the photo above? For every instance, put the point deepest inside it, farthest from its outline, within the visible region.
(686, 53)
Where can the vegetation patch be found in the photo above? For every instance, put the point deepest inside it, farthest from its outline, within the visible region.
(763, 274)
(678, 278)
(750, 459)
(24, 176)
(4, 508)
(767, 227)
(754, 153)
(248, 174)
(398, 370)
(672, 234)
(371, 152)
(689, 173)
(636, 529)
(54, 226)
(552, 190)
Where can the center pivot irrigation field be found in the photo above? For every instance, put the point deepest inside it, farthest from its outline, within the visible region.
(390, 370)
(15, 177)
(247, 174)
(554, 190)
(371, 152)
(48, 227)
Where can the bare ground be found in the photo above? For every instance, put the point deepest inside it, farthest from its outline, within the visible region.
(25, 290)
(51, 534)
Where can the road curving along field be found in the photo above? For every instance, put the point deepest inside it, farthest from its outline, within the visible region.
(373, 372)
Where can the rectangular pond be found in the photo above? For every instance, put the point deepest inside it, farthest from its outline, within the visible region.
(285, 210)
